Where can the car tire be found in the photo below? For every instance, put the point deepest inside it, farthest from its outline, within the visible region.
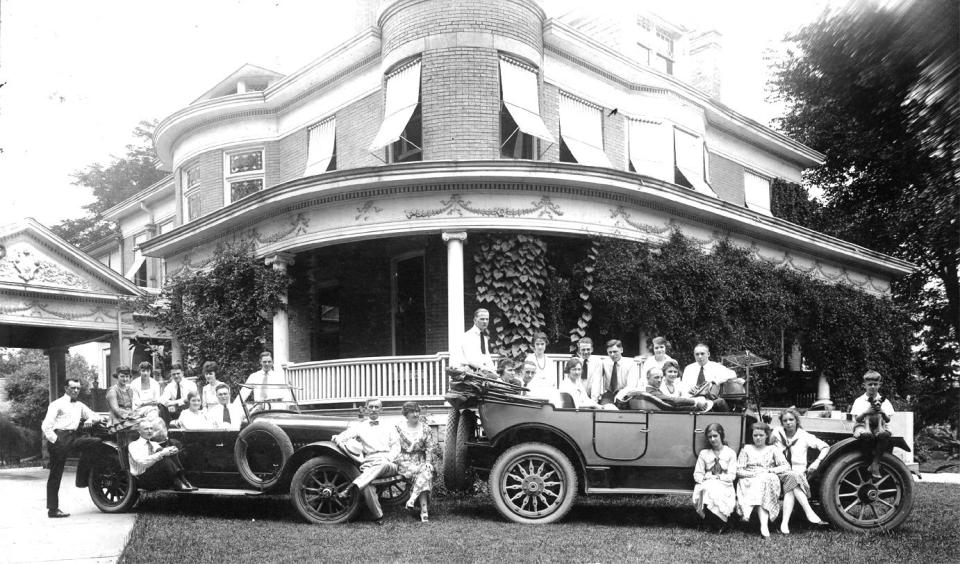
(465, 433)
(112, 488)
(316, 486)
(265, 474)
(854, 502)
(544, 478)
(393, 491)
(450, 450)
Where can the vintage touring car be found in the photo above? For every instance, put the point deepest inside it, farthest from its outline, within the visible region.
(278, 450)
(539, 458)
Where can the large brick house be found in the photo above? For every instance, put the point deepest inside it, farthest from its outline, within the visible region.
(370, 172)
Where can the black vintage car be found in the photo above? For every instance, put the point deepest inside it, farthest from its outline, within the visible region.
(539, 458)
(278, 450)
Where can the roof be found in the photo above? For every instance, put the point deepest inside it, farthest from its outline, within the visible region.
(156, 191)
(228, 85)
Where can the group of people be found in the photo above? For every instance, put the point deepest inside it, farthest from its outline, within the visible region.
(384, 450)
(594, 382)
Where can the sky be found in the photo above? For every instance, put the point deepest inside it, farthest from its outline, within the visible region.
(77, 77)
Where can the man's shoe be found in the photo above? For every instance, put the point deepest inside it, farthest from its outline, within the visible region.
(57, 514)
(378, 522)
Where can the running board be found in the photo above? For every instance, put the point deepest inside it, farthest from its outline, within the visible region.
(216, 491)
(636, 491)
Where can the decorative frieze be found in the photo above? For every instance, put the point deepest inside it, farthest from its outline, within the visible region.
(457, 205)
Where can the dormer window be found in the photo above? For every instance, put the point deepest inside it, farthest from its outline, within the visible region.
(243, 173)
(401, 130)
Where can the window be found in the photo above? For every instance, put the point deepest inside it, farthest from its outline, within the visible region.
(242, 174)
(401, 128)
(756, 190)
(520, 121)
(322, 147)
(137, 273)
(581, 131)
(656, 46)
(689, 169)
(649, 147)
(190, 187)
(325, 333)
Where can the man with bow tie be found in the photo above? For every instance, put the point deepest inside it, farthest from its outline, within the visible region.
(65, 417)
(475, 344)
(376, 446)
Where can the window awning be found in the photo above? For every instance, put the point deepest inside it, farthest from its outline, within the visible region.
(581, 127)
(650, 149)
(522, 100)
(689, 151)
(403, 94)
(320, 144)
(138, 261)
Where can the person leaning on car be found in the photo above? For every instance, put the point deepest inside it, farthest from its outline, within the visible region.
(156, 467)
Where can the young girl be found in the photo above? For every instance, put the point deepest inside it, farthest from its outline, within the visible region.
(713, 496)
(759, 468)
(796, 489)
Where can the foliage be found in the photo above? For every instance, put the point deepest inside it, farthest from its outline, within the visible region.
(511, 274)
(16, 442)
(733, 302)
(29, 394)
(223, 313)
(874, 86)
(112, 184)
(579, 330)
(790, 201)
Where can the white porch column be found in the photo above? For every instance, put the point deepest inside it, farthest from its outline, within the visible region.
(454, 241)
(281, 322)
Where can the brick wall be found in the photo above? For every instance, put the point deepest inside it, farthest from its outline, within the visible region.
(550, 111)
(435, 307)
(291, 156)
(614, 139)
(726, 177)
(507, 18)
(211, 180)
(357, 125)
(300, 316)
(460, 96)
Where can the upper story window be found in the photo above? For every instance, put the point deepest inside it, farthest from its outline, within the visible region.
(401, 130)
(242, 173)
(650, 148)
(581, 132)
(756, 190)
(690, 169)
(190, 187)
(520, 121)
(656, 46)
(322, 147)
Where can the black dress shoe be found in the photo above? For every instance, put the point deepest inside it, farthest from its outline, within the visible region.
(57, 514)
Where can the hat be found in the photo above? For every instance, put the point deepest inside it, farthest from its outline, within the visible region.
(353, 449)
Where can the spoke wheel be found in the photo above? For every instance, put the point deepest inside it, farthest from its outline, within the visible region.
(317, 488)
(855, 501)
(112, 489)
(533, 483)
(394, 492)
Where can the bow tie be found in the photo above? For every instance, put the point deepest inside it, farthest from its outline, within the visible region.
(374, 422)
(73, 400)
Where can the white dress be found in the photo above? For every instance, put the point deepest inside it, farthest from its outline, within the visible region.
(714, 475)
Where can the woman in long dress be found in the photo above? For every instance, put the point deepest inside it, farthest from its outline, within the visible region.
(416, 460)
(120, 397)
(795, 441)
(759, 468)
(716, 469)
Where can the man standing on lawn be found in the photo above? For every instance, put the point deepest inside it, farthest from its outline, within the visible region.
(65, 417)
(376, 446)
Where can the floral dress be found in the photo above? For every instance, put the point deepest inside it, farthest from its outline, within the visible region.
(758, 470)
(714, 475)
(416, 459)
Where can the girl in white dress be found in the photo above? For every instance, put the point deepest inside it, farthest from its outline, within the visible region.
(759, 468)
(716, 469)
(539, 358)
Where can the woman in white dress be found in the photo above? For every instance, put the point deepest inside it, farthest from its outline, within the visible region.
(193, 418)
(659, 358)
(539, 356)
(146, 390)
(795, 442)
(759, 468)
(672, 385)
(716, 469)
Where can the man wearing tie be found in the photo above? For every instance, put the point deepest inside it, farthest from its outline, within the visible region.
(618, 374)
(156, 466)
(592, 365)
(706, 371)
(65, 417)
(174, 395)
(266, 384)
(225, 415)
(475, 345)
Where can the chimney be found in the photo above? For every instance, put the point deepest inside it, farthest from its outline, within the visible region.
(703, 62)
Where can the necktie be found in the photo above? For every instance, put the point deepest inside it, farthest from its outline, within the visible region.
(374, 422)
(178, 391)
(716, 470)
(483, 342)
(613, 379)
(786, 450)
(701, 379)
(150, 447)
(586, 365)
(226, 415)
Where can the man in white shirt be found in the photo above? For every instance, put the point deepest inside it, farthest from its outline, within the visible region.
(267, 383)
(475, 344)
(705, 371)
(619, 374)
(225, 415)
(65, 416)
(592, 364)
(156, 467)
(379, 446)
(174, 395)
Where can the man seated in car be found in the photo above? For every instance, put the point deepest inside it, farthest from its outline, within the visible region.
(225, 415)
(156, 467)
(655, 378)
(376, 446)
(174, 395)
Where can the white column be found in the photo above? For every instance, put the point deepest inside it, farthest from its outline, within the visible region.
(281, 322)
(823, 393)
(454, 241)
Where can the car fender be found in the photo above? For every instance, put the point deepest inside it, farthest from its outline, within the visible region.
(90, 456)
(540, 432)
(850, 444)
(308, 451)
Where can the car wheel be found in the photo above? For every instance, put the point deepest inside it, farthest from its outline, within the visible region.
(112, 488)
(450, 450)
(393, 492)
(533, 483)
(856, 502)
(466, 432)
(261, 451)
(317, 487)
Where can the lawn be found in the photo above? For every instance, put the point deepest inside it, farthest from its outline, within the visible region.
(659, 528)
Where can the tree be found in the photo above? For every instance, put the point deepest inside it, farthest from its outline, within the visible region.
(112, 184)
(875, 88)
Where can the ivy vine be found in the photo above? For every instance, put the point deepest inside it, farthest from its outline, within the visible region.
(579, 330)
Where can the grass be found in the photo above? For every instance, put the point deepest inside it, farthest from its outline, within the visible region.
(660, 529)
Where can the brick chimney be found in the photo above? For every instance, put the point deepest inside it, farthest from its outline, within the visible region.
(702, 65)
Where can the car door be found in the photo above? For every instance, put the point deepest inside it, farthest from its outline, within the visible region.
(208, 458)
(620, 436)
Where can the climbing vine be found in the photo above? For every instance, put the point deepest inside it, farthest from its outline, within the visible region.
(588, 267)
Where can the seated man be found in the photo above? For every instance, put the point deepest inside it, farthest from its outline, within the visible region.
(655, 378)
(379, 446)
(538, 385)
(507, 372)
(225, 415)
(156, 467)
(173, 398)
